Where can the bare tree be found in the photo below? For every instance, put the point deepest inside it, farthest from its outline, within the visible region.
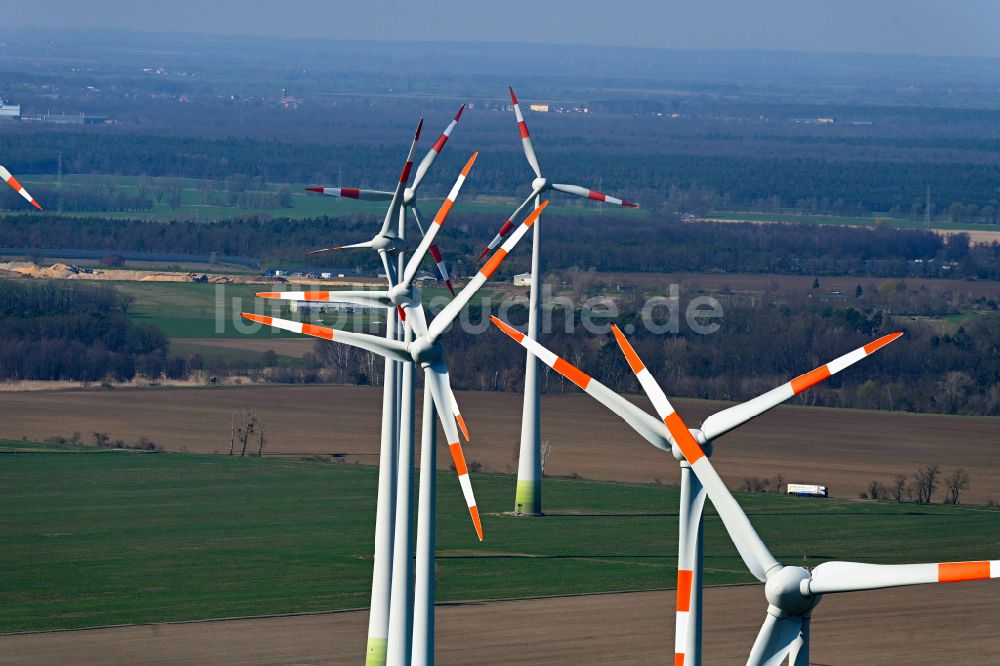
(899, 487)
(955, 484)
(779, 481)
(927, 480)
(877, 490)
(246, 423)
(261, 441)
(546, 451)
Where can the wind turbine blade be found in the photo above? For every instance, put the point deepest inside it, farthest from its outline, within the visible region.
(13, 182)
(436, 149)
(352, 193)
(442, 269)
(389, 267)
(368, 299)
(593, 194)
(749, 544)
(529, 150)
(392, 215)
(418, 255)
(775, 640)
(355, 246)
(436, 380)
(722, 422)
(508, 225)
(648, 426)
(831, 577)
(388, 348)
(451, 311)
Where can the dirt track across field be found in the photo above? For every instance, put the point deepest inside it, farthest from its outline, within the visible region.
(884, 627)
(843, 449)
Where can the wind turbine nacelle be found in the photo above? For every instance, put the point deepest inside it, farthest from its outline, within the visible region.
(787, 589)
(389, 244)
(541, 184)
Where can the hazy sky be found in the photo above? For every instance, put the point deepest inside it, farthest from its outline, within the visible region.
(925, 27)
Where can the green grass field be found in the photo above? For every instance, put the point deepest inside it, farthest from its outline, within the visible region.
(848, 221)
(98, 537)
(304, 204)
(200, 310)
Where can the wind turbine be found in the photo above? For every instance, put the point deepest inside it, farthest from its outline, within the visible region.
(528, 497)
(391, 584)
(13, 182)
(687, 635)
(792, 592)
(397, 396)
(409, 194)
(425, 349)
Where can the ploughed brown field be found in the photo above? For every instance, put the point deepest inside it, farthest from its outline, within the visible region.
(943, 624)
(843, 449)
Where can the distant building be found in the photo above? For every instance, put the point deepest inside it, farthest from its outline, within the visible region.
(539, 108)
(522, 280)
(10, 110)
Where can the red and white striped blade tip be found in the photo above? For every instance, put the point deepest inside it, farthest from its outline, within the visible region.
(448, 284)
(420, 126)
(315, 189)
(483, 254)
(459, 114)
(513, 97)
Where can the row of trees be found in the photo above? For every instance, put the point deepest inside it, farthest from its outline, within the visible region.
(922, 487)
(653, 244)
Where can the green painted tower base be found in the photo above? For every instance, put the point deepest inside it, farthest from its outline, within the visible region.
(528, 498)
(377, 648)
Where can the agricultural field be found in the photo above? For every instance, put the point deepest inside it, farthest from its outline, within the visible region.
(843, 449)
(104, 537)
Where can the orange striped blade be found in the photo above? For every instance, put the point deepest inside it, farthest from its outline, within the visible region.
(954, 572)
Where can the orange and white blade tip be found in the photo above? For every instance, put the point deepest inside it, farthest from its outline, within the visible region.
(468, 165)
(462, 427)
(873, 347)
(474, 512)
(268, 294)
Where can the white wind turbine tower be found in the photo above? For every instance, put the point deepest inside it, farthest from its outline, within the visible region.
(409, 637)
(397, 422)
(13, 182)
(409, 200)
(791, 592)
(687, 634)
(528, 497)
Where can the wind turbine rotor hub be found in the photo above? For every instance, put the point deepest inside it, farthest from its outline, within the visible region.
(426, 353)
(784, 590)
(699, 436)
(401, 295)
(541, 184)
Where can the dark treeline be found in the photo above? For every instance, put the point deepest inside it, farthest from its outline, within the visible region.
(756, 348)
(640, 245)
(59, 330)
(739, 172)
